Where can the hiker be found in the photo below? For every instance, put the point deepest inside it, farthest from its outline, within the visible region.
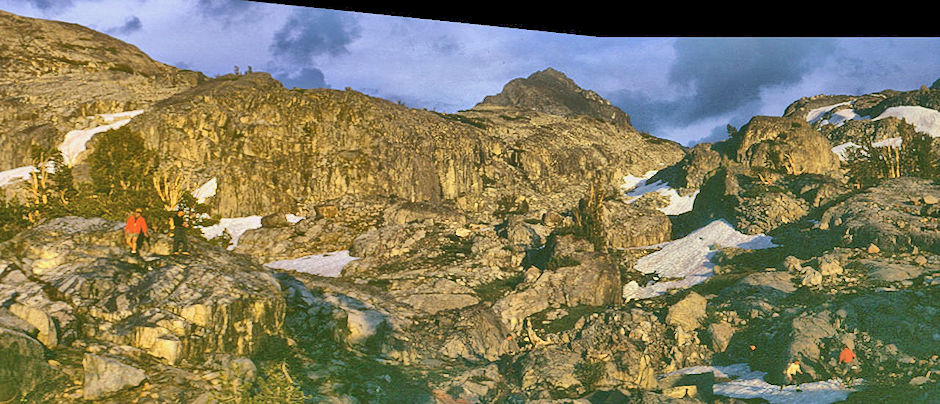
(792, 369)
(846, 357)
(135, 226)
(179, 225)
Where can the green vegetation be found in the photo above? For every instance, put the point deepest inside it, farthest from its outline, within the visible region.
(560, 262)
(589, 373)
(508, 205)
(478, 123)
(123, 177)
(121, 67)
(491, 291)
(274, 386)
(916, 157)
(587, 218)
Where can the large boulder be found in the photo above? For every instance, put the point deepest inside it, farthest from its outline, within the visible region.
(105, 376)
(581, 278)
(22, 363)
(688, 312)
(787, 145)
(627, 225)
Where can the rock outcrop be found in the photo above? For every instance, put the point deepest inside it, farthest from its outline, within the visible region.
(551, 92)
(72, 282)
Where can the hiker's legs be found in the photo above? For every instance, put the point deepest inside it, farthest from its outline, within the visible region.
(132, 241)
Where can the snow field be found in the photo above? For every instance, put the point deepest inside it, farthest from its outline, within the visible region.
(73, 145)
(76, 140)
(327, 264)
(16, 175)
(686, 261)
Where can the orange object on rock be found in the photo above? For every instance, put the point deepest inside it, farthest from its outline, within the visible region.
(846, 356)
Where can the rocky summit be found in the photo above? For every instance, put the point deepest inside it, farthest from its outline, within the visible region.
(343, 248)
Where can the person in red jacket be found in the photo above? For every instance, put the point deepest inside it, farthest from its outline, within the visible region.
(135, 226)
(846, 357)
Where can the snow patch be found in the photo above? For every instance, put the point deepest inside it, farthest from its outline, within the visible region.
(120, 115)
(206, 191)
(890, 142)
(816, 114)
(328, 264)
(748, 384)
(635, 187)
(924, 119)
(15, 175)
(76, 140)
(686, 261)
(235, 226)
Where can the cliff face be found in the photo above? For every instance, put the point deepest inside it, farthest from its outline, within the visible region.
(272, 148)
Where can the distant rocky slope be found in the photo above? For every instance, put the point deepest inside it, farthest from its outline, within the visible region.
(550, 91)
(56, 76)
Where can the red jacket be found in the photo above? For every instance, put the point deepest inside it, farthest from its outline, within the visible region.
(846, 355)
(136, 225)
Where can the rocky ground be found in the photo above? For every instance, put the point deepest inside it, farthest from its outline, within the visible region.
(493, 249)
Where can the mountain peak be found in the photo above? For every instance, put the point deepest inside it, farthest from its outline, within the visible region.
(551, 91)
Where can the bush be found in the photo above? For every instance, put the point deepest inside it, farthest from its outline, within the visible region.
(13, 219)
(589, 373)
(916, 157)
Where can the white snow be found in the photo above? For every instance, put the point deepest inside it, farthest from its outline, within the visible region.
(206, 190)
(121, 115)
(15, 175)
(76, 140)
(235, 226)
(890, 142)
(924, 119)
(328, 264)
(816, 114)
(630, 182)
(747, 384)
(687, 260)
(635, 187)
(293, 218)
(842, 148)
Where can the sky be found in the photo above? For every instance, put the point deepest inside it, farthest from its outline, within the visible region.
(686, 89)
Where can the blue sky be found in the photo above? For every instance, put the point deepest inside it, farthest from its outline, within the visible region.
(682, 88)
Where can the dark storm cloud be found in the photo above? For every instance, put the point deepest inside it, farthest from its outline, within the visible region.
(724, 74)
(310, 33)
(226, 11)
(723, 77)
(130, 26)
(309, 77)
